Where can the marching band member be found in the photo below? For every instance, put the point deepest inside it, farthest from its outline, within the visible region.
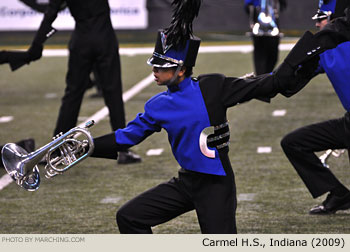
(193, 113)
(300, 145)
(265, 54)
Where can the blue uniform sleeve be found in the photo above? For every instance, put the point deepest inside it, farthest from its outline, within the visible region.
(137, 130)
(335, 63)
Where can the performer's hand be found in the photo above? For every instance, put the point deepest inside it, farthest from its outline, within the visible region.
(15, 59)
(35, 51)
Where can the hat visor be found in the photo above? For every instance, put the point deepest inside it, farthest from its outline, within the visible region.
(320, 15)
(161, 63)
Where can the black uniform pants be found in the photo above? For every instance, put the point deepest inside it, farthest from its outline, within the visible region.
(98, 50)
(300, 145)
(213, 197)
(265, 53)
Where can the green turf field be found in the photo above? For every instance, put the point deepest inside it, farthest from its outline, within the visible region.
(271, 197)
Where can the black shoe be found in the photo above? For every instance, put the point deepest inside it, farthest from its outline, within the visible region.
(128, 157)
(332, 204)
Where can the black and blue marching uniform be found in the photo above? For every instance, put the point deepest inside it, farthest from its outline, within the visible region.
(193, 113)
(300, 145)
(335, 63)
(205, 182)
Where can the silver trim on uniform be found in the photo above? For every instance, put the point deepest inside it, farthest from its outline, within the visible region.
(161, 56)
(321, 15)
(204, 140)
(220, 146)
(166, 65)
(171, 62)
(223, 125)
(212, 139)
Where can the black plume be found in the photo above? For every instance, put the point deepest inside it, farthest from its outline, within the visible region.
(180, 29)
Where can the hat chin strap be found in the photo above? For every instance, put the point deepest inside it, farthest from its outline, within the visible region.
(173, 79)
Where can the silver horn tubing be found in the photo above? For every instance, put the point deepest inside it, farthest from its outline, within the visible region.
(68, 153)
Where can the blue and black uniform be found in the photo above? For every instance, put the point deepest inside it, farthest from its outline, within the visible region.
(300, 145)
(205, 182)
(193, 113)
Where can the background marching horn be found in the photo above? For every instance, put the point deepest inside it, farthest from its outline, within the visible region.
(266, 24)
(327, 153)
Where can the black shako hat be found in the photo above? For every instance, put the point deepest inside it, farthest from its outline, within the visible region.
(165, 55)
(176, 45)
(331, 9)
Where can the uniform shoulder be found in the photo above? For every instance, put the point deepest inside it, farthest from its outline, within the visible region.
(156, 99)
(210, 79)
(211, 76)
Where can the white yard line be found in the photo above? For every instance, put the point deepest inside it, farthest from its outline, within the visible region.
(5, 181)
(102, 113)
(149, 50)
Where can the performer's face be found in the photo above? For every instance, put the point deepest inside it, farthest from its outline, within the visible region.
(320, 24)
(164, 75)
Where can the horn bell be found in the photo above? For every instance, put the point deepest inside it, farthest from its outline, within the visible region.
(15, 160)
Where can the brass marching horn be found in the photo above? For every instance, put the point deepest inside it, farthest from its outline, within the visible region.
(266, 24)
(63, 152)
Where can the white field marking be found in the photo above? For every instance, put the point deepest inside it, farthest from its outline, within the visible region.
(99, 115)
(154, 152)
(264, 149)
(110, 200)
(246, 196)
(5, 181)
(281, 112)
(5, 119)
(50, 95)
(149, 50)
(286, 47)
(55, 53)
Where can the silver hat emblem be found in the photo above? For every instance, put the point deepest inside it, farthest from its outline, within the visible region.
(163, 37)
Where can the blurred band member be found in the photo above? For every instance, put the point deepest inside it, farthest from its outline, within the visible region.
(93, 47)
(265, 36)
